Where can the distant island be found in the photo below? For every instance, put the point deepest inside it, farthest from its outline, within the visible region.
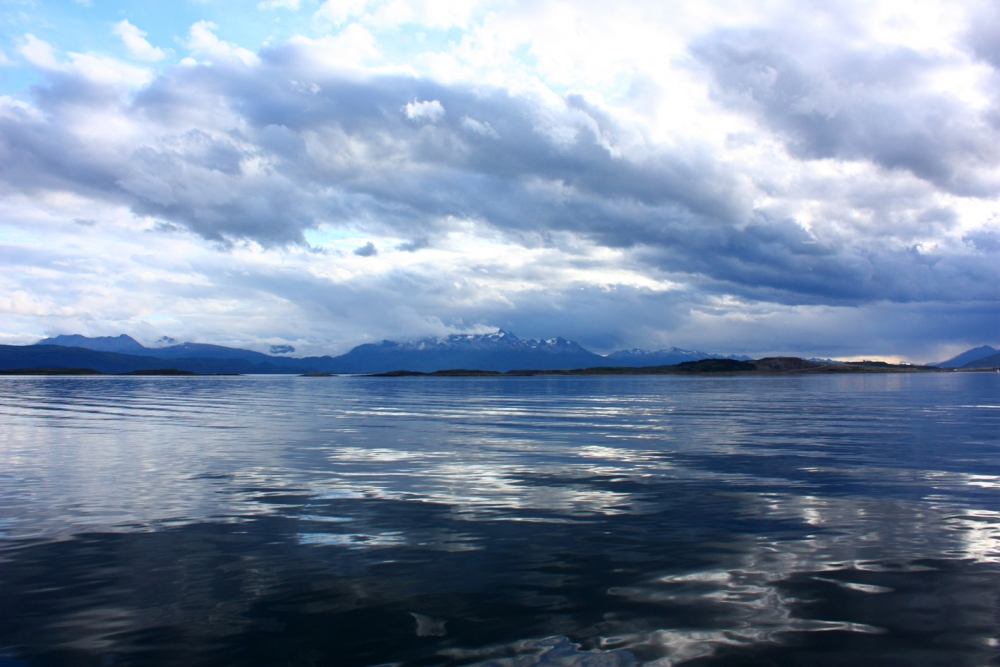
(765, 366)
(499, 353)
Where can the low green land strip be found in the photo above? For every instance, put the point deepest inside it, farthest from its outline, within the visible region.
(766, 366)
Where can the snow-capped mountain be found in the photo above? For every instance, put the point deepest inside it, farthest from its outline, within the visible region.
(500, 351)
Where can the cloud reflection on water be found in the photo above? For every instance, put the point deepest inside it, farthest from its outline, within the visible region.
(530, 530)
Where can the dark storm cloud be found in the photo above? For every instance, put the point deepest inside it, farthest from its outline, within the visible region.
(778, 261)
(265, 152)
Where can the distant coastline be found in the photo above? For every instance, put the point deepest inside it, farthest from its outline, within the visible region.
(765, 366)
(714, 367)
(171, 372)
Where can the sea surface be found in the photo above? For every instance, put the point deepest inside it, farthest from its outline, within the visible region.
(515, 522)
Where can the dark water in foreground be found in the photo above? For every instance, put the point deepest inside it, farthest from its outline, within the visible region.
(517, 522)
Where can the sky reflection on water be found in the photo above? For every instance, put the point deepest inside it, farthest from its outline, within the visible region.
(515, 522)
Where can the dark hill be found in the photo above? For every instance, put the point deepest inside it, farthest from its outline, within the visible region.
(666, 357)
(787, 364)
(716, 366)
(992, 361)
(126, 345)
(58, 357)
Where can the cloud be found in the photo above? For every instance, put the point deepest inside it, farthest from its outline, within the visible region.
(870, 103)
(414, 245)
(279, 4)
(390, 14)
(97, 69)
(985, 240)
(149, 285)
(340, 11)
(134, 40)
(367, 250)
(685, 181)
(430, 111)
(203, 43)
(243, 153)
(347, 50)
(983, 35)
(473, 125)
(39, 53)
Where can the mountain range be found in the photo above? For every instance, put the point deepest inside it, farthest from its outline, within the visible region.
(501, 351)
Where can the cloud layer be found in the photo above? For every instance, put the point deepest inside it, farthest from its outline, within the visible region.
(775, 174)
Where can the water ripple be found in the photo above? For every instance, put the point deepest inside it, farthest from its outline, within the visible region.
(502, 522)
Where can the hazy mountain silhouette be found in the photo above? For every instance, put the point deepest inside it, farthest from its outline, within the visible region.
(967, 357)
(128, 345)
(123, 344)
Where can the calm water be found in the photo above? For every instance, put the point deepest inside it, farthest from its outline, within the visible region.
(505, 522)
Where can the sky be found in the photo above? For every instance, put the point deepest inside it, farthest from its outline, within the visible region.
(754, 177)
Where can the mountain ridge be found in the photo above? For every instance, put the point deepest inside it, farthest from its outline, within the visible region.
(499, 351)
(969, 356)
(125, 344)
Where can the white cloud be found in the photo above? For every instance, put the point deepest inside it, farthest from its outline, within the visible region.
(96, 68)
(101, 69)
(638, 173)
(204, 44)
(351, 48)
(340, 11)
(135, 42)
(39, 53)
(454, 13)
(438, 14)
(431, 111)
(484, 129)
(279, 4)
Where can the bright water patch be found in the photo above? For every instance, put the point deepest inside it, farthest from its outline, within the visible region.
(601, 521)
